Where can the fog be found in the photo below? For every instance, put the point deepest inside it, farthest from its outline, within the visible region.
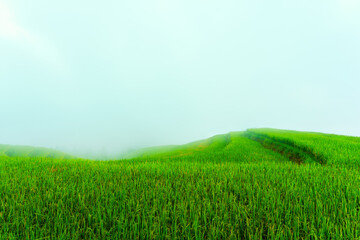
(97, 78)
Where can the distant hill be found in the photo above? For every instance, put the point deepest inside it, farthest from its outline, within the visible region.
(28, 151)
(210, 144)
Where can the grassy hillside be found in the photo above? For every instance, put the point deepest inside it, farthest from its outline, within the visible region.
(258, 184)
(29, 152)
(328, 149)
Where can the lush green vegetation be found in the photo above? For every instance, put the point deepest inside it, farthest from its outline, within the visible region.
(242, 185)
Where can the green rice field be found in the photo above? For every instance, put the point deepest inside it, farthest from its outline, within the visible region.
(255, 184)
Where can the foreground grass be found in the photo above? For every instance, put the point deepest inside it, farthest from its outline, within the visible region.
(238, 190)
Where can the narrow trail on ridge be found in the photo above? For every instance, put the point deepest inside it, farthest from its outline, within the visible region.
(289, 149)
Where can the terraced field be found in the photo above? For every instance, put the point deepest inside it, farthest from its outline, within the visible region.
(257, 184)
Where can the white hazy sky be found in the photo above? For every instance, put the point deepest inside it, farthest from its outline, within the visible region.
(106, 76)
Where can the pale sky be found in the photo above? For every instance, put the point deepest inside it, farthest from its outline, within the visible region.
(106, 76)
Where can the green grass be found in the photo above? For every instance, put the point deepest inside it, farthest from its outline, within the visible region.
(230, 186)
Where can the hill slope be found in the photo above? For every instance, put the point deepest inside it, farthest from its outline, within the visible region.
(214, 143)
(29, 152)
(297, 146)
